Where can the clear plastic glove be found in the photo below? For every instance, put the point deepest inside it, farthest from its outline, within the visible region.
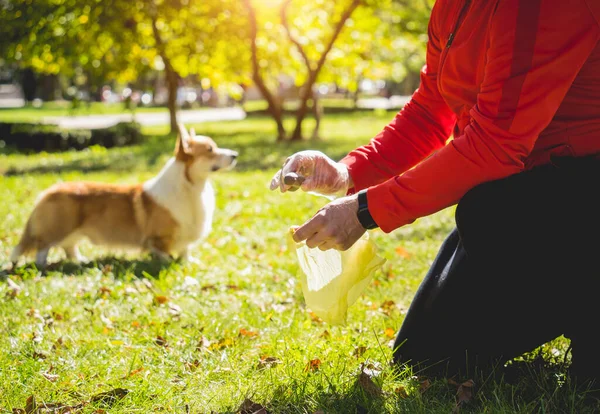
(312, 171)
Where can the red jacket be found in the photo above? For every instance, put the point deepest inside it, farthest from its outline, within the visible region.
(515, 81)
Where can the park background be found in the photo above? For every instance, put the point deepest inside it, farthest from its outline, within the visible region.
(93, 90)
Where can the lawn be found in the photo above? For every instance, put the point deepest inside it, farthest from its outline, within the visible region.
(186, 338)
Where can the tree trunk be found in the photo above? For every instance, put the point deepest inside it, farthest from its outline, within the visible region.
(303, 108)
(313, 70)
(317, 112)
(172, 86)
(356, 93)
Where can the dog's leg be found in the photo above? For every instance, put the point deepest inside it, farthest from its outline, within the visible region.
(186, 256)
(73, 253)
(14, 256)
(41, 257)
(159, 248)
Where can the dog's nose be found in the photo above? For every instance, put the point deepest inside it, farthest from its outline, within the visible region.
(234, 155)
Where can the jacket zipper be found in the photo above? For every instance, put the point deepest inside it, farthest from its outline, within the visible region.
(451, 39)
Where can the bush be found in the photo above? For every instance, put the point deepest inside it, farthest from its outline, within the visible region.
(51, 138)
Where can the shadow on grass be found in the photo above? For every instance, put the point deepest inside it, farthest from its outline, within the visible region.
(253, 139)
(141, 268)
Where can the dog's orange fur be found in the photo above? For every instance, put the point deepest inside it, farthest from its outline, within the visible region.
(114, 214)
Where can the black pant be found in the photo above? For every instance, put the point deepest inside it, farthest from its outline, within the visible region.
(520, 269)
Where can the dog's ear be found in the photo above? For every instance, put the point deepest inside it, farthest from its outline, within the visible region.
(182, 145)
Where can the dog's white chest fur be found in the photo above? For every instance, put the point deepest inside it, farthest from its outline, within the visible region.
(191, 204)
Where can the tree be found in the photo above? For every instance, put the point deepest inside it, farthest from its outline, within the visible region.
(119, 39)
(311, 48)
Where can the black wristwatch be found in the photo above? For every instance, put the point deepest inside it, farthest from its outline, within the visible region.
(365, 218)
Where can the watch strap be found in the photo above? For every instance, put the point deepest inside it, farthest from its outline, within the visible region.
(363, 214)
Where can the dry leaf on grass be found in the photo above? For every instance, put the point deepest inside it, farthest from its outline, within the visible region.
(388, 306)
(359, 351)
(160, 341)
(109, 398)
(366, 383)
(267, 362)
(250, 407)
(313, 365)
(464, 394)
(134, 372)
(389, 332)
(106, 399)
(50, 377)
(160, 299)
(402, 252)
(424, 385)
(247, 333)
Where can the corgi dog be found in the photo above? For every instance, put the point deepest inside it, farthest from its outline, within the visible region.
(165, 215)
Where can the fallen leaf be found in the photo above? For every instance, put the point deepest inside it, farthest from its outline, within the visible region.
(134, 372)
(315, 318)
(313, 365)
(389, 332)
(267, 362)
(401, 392)
(160, 341)
(402, 252)
(208, 287)
(192, 366)
(359, 351)
(59, 343)
(109, 398)
(39, 355)
(464, 394)
(247, 333)
(50, 377)
(104, 291)
(388, 306)
(366, 383)
(223, 343)
(424, 385)
(250, 407)
(30, 404)
(325, 334)
(160, 299)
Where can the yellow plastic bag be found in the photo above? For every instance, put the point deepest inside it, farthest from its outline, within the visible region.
(332, 280)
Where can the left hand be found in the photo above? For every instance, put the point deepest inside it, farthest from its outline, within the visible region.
(335, 226)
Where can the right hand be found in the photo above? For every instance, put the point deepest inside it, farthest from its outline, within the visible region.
(321, 174)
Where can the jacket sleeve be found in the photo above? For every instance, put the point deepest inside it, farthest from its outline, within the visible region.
(536, 49)
(423, 125)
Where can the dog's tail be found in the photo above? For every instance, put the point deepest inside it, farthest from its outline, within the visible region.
(26, 244)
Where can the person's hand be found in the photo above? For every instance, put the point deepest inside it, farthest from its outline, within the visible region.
(335, 226)
(320, 173)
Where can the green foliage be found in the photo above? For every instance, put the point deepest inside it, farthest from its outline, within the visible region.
(201, 338)
(33, 138)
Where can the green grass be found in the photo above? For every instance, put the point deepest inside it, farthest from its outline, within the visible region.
(203, 338)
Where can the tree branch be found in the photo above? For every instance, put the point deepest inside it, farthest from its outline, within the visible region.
(256, 75)
(291, 37)
(338, 29)
(276, 110)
